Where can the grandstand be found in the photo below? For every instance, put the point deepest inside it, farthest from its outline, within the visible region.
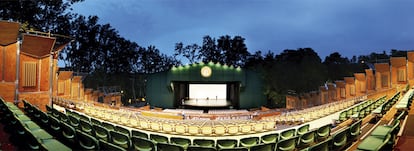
(42, 108)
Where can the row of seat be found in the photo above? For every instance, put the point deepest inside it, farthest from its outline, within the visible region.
(60, 127)
(382, 137)
(301, 138)
(25, 133)
(338, 141)
(151, 141)
(181, 127)
(405, 102)
(292, 138)
(273, 140)
(385, 107)
(309, 114)
(363, 109)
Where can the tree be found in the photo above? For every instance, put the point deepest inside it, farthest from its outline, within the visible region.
(336, 58)
(209, 51)
(191, 52)
(46, 16)
(398, 53)
(234, 50)
(151, 60)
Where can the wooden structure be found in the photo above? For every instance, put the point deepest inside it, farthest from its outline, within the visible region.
(383, 79)
(27, 65)
(9, 52)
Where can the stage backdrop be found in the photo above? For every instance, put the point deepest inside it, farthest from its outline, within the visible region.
(161, 88)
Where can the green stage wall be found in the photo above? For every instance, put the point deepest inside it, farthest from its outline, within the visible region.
(160, 89)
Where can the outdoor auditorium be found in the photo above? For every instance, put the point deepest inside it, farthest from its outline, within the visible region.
(200, 106)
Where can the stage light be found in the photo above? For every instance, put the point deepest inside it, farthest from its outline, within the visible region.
(180, 67)
(218, 64)
(225, 66)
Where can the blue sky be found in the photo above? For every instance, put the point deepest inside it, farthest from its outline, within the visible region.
(351, 27)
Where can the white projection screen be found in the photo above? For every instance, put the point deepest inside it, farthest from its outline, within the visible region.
(208, 91)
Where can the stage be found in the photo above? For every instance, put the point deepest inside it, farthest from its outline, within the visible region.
(206, 104)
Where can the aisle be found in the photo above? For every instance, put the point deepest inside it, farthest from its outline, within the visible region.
(5, 143)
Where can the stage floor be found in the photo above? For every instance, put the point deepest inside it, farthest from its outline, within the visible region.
(207, 103)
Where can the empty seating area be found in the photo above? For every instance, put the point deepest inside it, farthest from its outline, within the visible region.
(313, 113)
(27, 128)
(383, 137)
(362, 110)
(179, 126)
(234, 134)
(405, 102)
(98, 127)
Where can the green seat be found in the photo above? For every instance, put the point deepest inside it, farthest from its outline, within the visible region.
(18, 132)
(340, 139)
(374, 143)
(169, 147)
(287, 134)
(287, 144)
(355, 130)
(306, 139)
(159, 138)
(30, 141)
(38, 132)
(122, 130)
(323, 132)
(27, 107)
(348, 113)
(183, 142)
(264, 147)
(142, 144)
(108, 126)
(120, 139)
(343, 116)
(86, 127)
(400, 115)
(55, 127)
(321, 146)
(53, 144)
(235, 149)
(226, 143)
(201, 148)
(49, 109)
(302, 129)
(249, 141)
(362, 113)
(101, 133)
(68, 134)
(382, 131)
(86, 141)
(270, 138)
(36, 113)
(33, 142)
(139, 134)
(43, 119)
(95, 122)
(73, 121)
(84, 117)
(70, 112)
(62, 117)
(104, 145)
(204, 142)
